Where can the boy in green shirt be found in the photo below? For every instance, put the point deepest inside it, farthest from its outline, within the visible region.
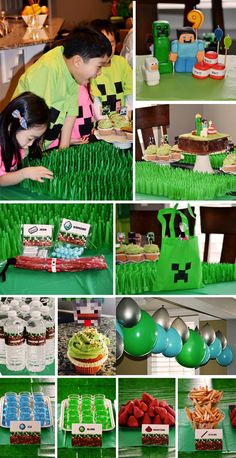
(56, 77)
(112, 89)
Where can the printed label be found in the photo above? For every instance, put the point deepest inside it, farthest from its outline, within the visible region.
(75, 227)
(14, 339)
(37, 230)
(155, 435)
(50, 333)
(86, 435)
(25, 432)
(36, 339)
(208, 439)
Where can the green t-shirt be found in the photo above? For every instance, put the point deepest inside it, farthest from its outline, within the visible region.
(50, 78)
(114, 84)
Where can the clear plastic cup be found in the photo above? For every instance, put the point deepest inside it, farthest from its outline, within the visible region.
(99, 400)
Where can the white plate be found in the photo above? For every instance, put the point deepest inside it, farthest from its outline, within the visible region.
(107, 403)
(112, 138)
(46, 399)
(164, 162)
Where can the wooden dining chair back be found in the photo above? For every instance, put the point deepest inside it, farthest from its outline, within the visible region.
(142, 222)
(150, 122)
(220, 220)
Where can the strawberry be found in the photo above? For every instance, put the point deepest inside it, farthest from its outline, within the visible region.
(233, 413)
(130, 407)
(137, 403)
(132, 422)
(157, 420)
(151, 412)
(163, 403)
(147, 398)
(170, 410)
(234, 422)
(138, 413)
(154, 403)
(122, 409)
(123, 418)
(169, 419)
(146, 419)
(161, 411)
(143, 406)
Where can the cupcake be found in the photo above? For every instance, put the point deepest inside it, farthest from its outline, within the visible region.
(163, 152)
(151, 252)
(151, 153)
(175, 153)
(134, 253)
(118, 123)
(105, 126)
(121, 254)
(87, 350)
(229, 164)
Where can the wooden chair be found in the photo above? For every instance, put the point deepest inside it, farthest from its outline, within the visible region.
(149, 121)
(147, 12)
(220, 220)
(142, 222)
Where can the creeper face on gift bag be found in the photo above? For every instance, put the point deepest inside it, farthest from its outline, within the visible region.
(181, 273)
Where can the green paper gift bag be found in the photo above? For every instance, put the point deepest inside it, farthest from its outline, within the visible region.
(179, 266)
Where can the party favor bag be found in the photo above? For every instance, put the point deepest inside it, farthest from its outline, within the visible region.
(179, 265)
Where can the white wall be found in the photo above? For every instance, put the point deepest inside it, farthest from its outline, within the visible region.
(74, 11)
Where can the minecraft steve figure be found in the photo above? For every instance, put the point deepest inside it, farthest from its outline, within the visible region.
(186, 51)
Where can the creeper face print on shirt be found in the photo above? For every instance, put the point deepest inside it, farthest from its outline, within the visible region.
(181, 273)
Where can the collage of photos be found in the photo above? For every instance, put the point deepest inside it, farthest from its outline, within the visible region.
(117, 229)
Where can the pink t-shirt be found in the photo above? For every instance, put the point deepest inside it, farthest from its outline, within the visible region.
(14, 164)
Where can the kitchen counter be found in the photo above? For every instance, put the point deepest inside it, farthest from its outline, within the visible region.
(21, 36)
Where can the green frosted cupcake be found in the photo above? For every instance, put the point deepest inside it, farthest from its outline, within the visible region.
(163, 152)
(121, 254)
(88, 350)
(134, 253)
(151, 153)
(105, 126)
(151, 252)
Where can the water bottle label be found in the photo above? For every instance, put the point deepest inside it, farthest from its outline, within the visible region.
(50, 333)
(36, 339)
(2, 332)
(14, 339)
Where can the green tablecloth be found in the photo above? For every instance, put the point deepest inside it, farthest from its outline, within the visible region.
(47, 434)
(186, 434)
(164, 199)
(182, 86)
(130, 389)
(49, 370)
(20, 281)
(18, 193)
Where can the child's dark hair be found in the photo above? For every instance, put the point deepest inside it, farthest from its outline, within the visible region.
(86, 42)
(34, 111)
(103, 24)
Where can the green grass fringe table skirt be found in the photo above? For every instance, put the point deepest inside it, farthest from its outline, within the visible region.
(94, 171)
(100, 216)
(138, 278)
(179, 184)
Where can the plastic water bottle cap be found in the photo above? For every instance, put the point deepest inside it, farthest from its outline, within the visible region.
(45, 310)
(36, 314)
(25, 308)
(5, 308)
(12, 313)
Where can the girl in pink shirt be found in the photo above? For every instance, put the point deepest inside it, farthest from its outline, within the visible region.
(22, 126)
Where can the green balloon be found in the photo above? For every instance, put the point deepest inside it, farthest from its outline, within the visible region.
(193, 351)
(141, 338)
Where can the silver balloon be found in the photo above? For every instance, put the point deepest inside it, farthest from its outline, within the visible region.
(128, 312)
(119, 346)
(208, 333)
(180, 326)
(162, 317)
(222, 338)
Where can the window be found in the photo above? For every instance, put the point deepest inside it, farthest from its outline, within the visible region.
(168, 367)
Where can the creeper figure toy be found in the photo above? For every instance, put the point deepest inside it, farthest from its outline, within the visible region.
(181, 274)
(186, 51)
(161, 33)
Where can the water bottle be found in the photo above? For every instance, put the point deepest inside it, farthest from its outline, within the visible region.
(35, 343)
(3, 318)
(14, 342)
(50, 335)
(24, 315)
(14, 305)
(35, 305)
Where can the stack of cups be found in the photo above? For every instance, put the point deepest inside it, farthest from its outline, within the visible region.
(101, 414)
(10, 409)
(86, 409)
(25, 410)
(72, 414)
